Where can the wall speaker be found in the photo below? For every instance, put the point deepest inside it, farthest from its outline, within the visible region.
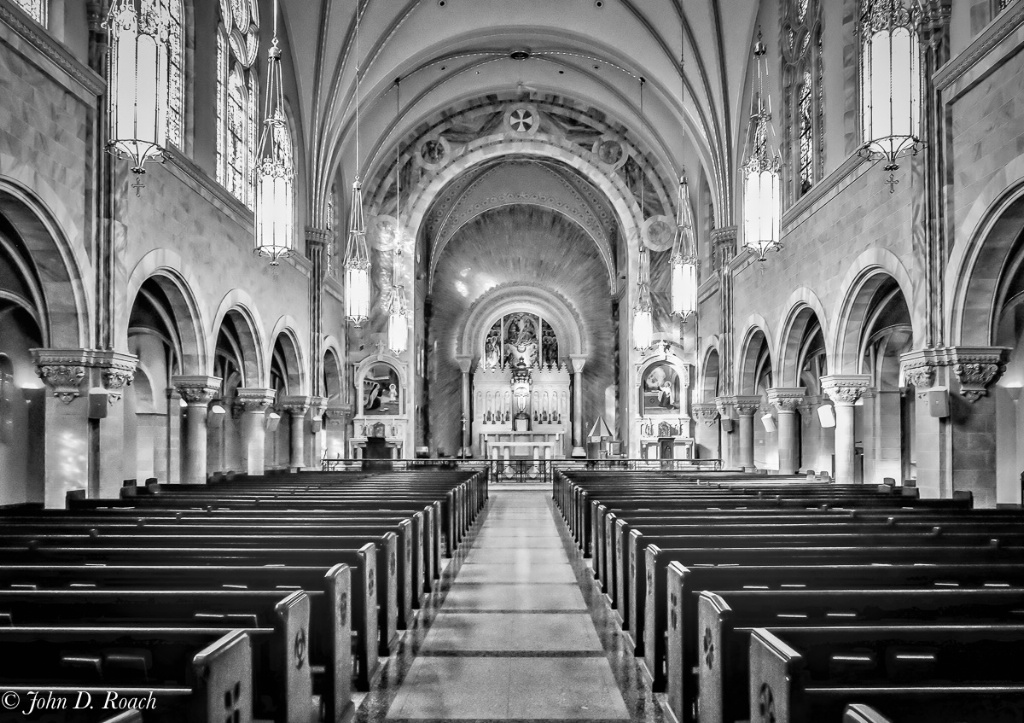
(215, 418)
(826, 416)
(726, 424)
(98, 403)
(769, 422)
(272, 421)
(938, 402)
(316, 425)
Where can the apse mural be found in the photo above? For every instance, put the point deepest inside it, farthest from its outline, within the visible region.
(381, 389)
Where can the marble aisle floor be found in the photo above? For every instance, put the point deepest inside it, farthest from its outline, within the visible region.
(519, 634)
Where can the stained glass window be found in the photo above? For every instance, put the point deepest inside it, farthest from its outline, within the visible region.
(35, 8)
(803, 100)
(237, 100)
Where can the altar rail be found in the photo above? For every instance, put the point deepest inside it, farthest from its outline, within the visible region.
(520, 470)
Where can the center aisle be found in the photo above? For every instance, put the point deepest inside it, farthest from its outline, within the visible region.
(514, 639)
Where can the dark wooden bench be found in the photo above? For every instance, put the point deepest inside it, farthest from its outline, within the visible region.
(910, 674)
(726, 620)
(282, 659)
(192, 674)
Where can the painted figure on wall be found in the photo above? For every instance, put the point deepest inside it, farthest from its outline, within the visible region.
(660, 390)
(381, 391)
(549, 345)
(521, 340)
(492, 347)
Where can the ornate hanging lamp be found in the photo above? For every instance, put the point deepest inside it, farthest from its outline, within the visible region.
(398, 312)
(643, 310)
(138, 67)
(684, 257)
(762, 170)
(357, 256)
(274, 232)
(890, 83)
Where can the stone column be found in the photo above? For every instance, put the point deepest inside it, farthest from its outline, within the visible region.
(465, 366)
(253, 403)
(706, 431)
(296, 406)
(844, 390)
(317, 407)
(786, 400)
(579, 447)
(746, 407)
(198, 392)
(726, 431)
(82, 441)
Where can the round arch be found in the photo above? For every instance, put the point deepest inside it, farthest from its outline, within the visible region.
(166, 268)
(238, 305)
(284, 336)
(990, 228)
(755, 334)
(804, 310)
(68, 321)
(566, 322)
(710, 371)
(866, 275)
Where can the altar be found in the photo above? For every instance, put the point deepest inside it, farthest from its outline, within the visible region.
(523, 445)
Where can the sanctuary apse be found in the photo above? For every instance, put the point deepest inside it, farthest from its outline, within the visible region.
(519, 181)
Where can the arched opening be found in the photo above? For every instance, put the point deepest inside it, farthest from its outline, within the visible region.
(804, 362)
(286, 381)
(333, 440)
(235, 364)
(1009, 332)
(710, 377)
(152, 416)
(756, 378)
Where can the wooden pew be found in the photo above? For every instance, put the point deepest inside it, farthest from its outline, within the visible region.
(726, 620)
(650, 608)
(685, 637)
(198, 674)
(859, 713)
(382, 589)
(910, 674)
(334, 610)
(281, 660)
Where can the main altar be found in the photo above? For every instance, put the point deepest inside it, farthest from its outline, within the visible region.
(521, 393)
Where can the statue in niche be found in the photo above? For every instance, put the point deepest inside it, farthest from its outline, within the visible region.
(521, 341)
(492, 348)
(549, 346)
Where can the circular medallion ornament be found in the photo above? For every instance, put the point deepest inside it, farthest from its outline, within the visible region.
(522, 119)
(658, 233)
(433, 153)
(610, 152)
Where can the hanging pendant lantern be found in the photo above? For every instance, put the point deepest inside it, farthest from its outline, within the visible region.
(138, 67)
(761, 201)
(357, 262)
(890, 83)
(684, 257)
(643, 311)
(274, 234)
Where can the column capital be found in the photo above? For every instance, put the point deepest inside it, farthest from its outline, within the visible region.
(295, 405)
(786, 399)
(976, 367)
(465, 362)
(845, 388)
(318, 405)
(65, 371)
(724, 406)
(254, 399)
(745, 405)
(197, 391)
(337, 415)
(318, 236)
(578, 361)
(706, 412)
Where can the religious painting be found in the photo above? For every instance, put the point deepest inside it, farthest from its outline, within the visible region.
(381, 389)
(492, 347)
(521, 340)
(660, 390)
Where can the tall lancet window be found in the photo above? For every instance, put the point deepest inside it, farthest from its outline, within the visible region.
(237, 97)
(803, 147)
(36, 9)
(175, 74)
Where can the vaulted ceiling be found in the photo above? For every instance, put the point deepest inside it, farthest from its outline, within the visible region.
(448, 53)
